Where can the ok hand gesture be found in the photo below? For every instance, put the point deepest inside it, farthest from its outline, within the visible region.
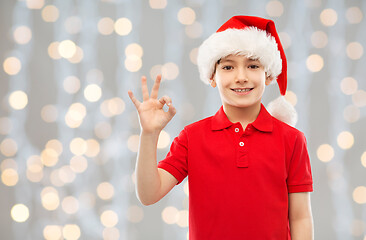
(151, 114)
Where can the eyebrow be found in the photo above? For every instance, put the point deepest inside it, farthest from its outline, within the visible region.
(229, 60)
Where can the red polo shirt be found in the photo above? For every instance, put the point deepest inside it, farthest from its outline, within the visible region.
(239, 180)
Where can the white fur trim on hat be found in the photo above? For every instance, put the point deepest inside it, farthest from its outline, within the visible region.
(281, 109)
(251, 42)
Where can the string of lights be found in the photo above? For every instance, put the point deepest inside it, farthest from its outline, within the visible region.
(69, 135)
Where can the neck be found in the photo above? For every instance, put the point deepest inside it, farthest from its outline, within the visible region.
(244, 115)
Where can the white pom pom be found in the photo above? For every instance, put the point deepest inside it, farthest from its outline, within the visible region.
(281, 109)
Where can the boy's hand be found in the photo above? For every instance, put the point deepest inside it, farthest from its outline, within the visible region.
(151, 114)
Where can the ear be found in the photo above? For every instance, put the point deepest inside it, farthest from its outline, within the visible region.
(269, 79)
(212, 81)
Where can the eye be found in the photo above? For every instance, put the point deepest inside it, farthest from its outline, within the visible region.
(253, 66)
(227, 67)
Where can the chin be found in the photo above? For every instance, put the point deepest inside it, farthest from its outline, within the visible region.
(245, 105)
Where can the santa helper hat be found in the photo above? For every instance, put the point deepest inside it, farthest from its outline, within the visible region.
(253, 37)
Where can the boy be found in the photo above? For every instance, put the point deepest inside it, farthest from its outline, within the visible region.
(249, 173)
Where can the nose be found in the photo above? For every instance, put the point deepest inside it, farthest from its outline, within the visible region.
(241, 75)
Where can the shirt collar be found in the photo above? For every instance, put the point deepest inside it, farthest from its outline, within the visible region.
(262, 123)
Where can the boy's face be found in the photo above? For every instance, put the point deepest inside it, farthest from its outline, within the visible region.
(241, 81)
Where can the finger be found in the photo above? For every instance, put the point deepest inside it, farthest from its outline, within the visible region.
(145, 91)
(133, 99)
(165, 100)
(155, 89)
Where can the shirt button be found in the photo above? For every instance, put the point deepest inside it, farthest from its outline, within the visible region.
(236, 129)
(241, 144)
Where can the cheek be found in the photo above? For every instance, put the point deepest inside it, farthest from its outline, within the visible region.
(222, 80)
(218, 80)
(260, 78)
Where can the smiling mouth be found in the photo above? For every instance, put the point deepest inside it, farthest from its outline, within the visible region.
(242, 89)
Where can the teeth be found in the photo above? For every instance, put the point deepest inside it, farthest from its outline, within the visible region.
(242, 90)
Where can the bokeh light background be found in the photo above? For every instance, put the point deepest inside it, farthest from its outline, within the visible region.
(69, 133)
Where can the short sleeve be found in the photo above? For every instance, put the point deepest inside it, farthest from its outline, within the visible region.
(299, 173)
(175, 161)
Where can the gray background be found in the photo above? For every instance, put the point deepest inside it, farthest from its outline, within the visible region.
(320, 106)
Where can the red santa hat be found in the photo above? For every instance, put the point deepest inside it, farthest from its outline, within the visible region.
(252, 37)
